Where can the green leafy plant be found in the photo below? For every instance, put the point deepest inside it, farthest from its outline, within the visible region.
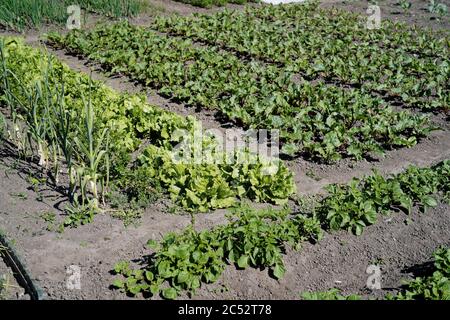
(213, 186)
(50, 218)
(96, 130)
(438, 8)
(80, 213)
(182, 261)
(433, 287)
(405, 4)
(332, 294)
(128, 216)
(357, 204)
(135, 189)
(331, 44)
(324, 122)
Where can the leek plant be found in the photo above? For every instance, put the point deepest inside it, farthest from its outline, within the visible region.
(52, 131)
(62, 135)
(93, 149)
(2, 126)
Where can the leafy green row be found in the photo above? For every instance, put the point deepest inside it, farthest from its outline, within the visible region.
(210, 3)
(213, 186)
(130, 121)
(258, 238)
(358, 204)
(321, 121)
(393, 60)
(251, 238)
(390, 34)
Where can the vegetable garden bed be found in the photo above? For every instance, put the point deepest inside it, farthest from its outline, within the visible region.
(89, 174)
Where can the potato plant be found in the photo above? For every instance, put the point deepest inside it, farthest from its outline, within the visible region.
(432, 287)
(181, 262)
(356, 205)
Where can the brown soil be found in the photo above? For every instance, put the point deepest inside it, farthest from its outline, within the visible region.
(400, 244)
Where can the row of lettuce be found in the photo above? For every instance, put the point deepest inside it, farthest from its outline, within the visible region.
(181, 262)
(100, 136)
(315, 119)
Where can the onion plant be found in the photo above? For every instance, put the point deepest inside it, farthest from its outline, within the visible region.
(23, 14)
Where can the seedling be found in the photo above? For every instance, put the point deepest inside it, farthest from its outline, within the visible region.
(19, 195)
(405, 4)
(50, 218)
(128, 216)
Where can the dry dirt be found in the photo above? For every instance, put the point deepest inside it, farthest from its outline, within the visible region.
(400, 244)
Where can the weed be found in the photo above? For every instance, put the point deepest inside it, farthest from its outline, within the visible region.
(312, 175)
(80, 214)
(50, 218)
(378, 261)
(128, 216)
(437, 7)
(405, 4)
(19, 195)
(408, 221)
(138, 189)
(332, 294)
(84, 244)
